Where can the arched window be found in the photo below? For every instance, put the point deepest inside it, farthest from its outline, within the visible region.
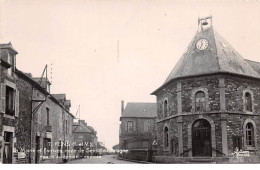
(166, 137)
(248, 102)
(200, 101)
(165, 108)
(250, 134)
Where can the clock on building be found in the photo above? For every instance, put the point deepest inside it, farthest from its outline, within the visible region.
(202, 44)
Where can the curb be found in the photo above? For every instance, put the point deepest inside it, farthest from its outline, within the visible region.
(131, 160)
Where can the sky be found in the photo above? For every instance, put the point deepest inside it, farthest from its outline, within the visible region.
(105, 51)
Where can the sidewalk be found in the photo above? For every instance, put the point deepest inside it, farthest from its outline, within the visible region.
(142, 162)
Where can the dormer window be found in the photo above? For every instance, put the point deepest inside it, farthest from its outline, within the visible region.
(9, 60)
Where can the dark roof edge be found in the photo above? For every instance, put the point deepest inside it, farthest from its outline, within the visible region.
(253, 61)
(136, 117)
(197, 75)
(17, 71)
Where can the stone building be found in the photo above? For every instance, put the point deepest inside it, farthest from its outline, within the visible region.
(209, 106)
(137, 130)
(47, 121)
(85, 139)
(34, 124)
(9, 103)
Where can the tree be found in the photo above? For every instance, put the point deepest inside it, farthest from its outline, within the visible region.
(115, 147)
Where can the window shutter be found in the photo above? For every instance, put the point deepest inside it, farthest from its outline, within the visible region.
(17, 103)
(2, 100)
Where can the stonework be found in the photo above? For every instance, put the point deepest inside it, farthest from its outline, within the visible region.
(226, 115)
(34, 126)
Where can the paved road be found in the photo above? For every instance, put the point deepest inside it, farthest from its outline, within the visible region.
(106, 159)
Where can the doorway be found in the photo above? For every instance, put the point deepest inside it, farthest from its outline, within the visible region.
(37, 150)
(8, 150)
(201, 138)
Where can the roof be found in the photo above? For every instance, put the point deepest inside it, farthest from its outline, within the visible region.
(255, 65)
(219, 57)
(142, 110)
(37, 85)
(60, 96)
(79, 127)
(38, 79)
(8, 46)
(67, 103)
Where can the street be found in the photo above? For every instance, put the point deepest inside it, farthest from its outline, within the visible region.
(106, 159)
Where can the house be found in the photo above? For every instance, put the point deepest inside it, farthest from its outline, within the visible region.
(209, 104)
(137, 130)
(50, 122)
(35, 126)
(9, 103)
(85, 139)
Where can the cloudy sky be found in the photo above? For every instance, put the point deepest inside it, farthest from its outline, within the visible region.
(105, 51)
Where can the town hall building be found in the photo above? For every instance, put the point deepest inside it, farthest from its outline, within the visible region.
(209, 106)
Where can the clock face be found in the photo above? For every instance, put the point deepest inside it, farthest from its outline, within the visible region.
(202, 44)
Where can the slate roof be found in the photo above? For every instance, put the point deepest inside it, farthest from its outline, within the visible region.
(59, 96)
(79, 127)
(144, 110)
(220, 56)
(255, 65)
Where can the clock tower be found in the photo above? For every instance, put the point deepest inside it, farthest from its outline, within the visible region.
(207, 106)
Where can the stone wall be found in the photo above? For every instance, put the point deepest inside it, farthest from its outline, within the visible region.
(234, 89)
(57, 118)
(23, 130)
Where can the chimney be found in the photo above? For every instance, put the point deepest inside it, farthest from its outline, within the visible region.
(122, 107)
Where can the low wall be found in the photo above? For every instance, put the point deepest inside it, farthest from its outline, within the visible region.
(139, 155)
(218, 160)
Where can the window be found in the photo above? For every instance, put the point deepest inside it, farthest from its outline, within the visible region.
(249, 134)
(237, 142)
(66, 126)
(7, 152)
(47, 116)
(129, 126)
(10, 102)
(47, 147)
(166, 137)
(200, 101)
(9, 71)
(146, 126)
(165, 108)
(248, 102)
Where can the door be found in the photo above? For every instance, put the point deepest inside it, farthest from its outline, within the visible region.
(201, 139)
(37, 150)
(8, 151)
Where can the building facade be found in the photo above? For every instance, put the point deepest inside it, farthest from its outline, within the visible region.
(9, 104)
(209, 104)
(36, 126)
(137, 130)
(85, 139)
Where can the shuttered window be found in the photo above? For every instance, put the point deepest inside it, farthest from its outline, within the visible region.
(2, 102)
(9, 101)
